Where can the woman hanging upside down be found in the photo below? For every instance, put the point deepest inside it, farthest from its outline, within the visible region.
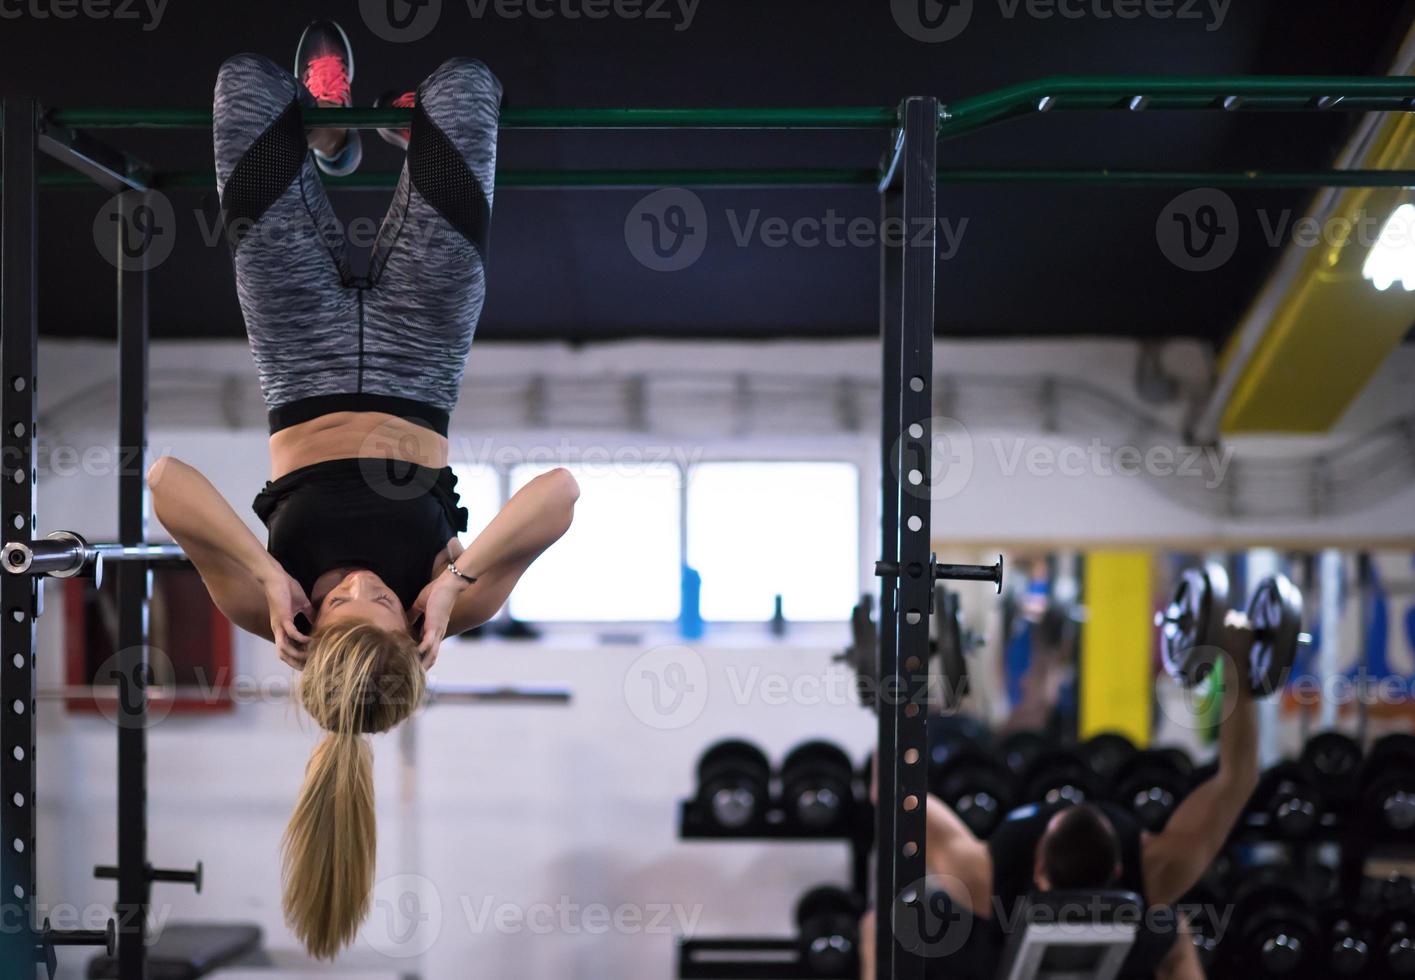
(362, 576)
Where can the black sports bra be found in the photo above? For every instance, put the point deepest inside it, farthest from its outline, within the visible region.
(385, 515)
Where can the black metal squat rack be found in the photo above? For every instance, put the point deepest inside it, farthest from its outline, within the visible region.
(907, 182)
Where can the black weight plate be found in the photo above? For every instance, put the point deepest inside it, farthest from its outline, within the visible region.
(1334, 761)
(1107, 753)
(1191, 628)
(1275, 612)
(1021, 749)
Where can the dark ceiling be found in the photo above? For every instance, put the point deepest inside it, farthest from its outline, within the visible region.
(1032, 261)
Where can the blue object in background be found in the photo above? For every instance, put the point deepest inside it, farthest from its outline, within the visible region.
(690, 618)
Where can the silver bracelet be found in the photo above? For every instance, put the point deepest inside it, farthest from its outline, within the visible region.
(452, 567)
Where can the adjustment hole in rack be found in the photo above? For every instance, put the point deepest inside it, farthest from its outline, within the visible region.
(18, 706)
(18, 753)
(912, 664)
(18, 615)
(911, 710)
(18, 383)
(916, 523)
(910, 849)
(916, 477)
(17, 430)
(18, 476)
(17, 521)
(911, 803)
(18, 799)
(916, 383)
(916, 431)
(18, 845)
(18, 660)
(911, 756)
(19, 891)
(909, 896)
(912, 617)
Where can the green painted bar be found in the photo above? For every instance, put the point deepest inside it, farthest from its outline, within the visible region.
(1256, 94)
(1253, 94)
(849, 117)
(383, 180)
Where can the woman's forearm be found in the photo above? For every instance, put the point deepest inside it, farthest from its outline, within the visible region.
(198, 517)
(532, 520)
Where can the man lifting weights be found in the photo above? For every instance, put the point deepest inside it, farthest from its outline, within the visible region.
(1098, 846)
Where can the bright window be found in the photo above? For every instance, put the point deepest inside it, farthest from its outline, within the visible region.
(758, 530)
(479, 487)
(620, 560)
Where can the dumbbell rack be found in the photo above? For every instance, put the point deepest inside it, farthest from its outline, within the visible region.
(757, 958)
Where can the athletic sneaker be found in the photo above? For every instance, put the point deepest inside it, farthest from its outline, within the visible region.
(324, 62)
(390, 99)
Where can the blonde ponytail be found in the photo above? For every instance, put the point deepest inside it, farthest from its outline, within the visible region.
(358, 680)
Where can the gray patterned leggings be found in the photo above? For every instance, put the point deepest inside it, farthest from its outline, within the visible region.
(323, 339)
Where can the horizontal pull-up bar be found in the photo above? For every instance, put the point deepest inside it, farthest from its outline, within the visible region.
(1238, 93)
(860, 177)
(848, 117)
(1233, 93)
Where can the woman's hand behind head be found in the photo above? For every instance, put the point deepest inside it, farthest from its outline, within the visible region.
(286, 600)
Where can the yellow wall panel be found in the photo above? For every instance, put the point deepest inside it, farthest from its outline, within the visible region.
(1117, 675)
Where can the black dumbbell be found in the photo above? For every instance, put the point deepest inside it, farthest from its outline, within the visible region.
(950, 733)
(1274, 932)
(1395, 952)
(828, 919)
(1152, 784)
(1106, 754)
(1192, 628)
(1388, 785)
(734, 785)
(977, 786)
(1059, 776)
(1021, 749)
(1290, 802)
(1333, 761)
(817, 780)
(1203, 909)
(1348, 947)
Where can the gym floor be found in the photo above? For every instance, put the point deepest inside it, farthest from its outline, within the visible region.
(1172, 368)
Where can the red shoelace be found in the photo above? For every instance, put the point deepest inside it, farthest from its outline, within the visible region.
(328, 79)
(406, 101)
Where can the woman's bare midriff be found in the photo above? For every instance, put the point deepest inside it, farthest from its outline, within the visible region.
(353, 435)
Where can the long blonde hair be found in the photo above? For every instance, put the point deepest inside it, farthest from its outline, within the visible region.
(358, 680)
